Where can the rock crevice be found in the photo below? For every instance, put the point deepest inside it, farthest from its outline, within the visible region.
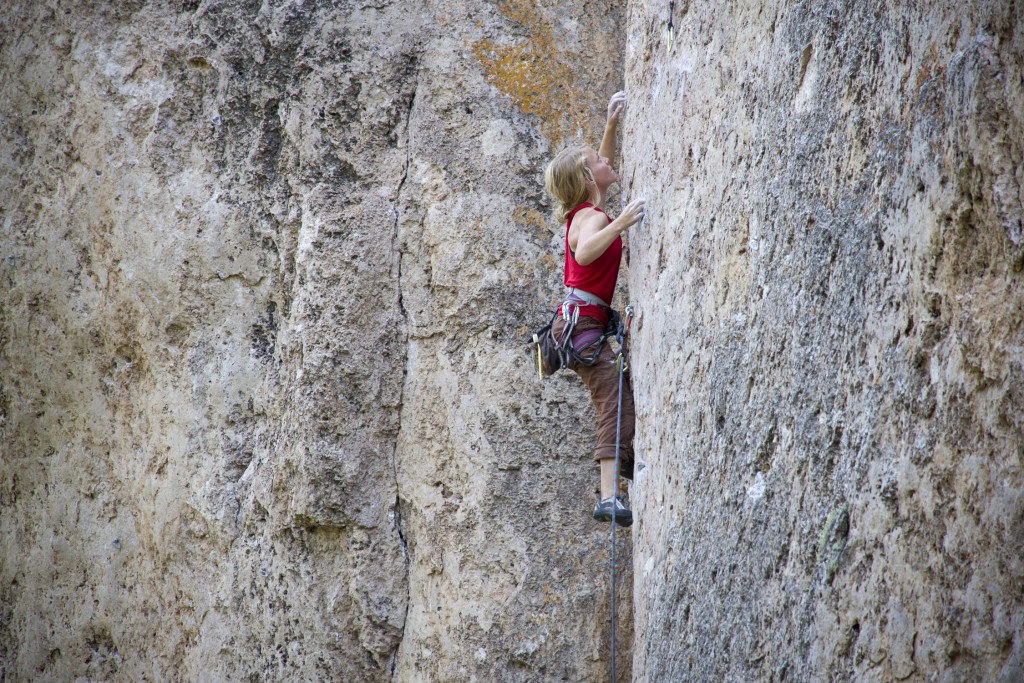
(270, 254)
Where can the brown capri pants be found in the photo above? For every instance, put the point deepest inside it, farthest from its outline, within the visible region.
(603, 382)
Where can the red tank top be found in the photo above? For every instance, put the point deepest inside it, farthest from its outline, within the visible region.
(599, 276)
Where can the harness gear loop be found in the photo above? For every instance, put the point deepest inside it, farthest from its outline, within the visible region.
(569, 354)
(556, 352)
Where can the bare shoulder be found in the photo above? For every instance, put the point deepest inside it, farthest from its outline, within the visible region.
(589, 217)
(587, 220)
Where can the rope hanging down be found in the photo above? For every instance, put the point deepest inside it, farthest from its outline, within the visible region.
(621, 367)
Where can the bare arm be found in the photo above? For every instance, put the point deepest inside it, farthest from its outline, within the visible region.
(615, 106)
(596, 233)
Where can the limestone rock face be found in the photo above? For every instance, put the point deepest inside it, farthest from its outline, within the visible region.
(267, 270)
(829, 352)
(508, 575)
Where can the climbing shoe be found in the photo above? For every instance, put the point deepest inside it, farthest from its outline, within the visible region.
(613, 507)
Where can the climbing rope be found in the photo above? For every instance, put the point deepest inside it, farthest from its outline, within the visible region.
(621, 367)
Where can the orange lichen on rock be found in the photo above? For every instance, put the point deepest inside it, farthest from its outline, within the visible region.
(531, 218)
(932, 67)
(534, 73)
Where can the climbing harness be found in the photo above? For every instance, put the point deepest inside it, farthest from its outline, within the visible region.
(621, 367)
(554, 353)
(586, 296)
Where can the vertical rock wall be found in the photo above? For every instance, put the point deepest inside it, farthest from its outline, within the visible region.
(829, 354)
(508, 575)
(266, 271)
(198, 477)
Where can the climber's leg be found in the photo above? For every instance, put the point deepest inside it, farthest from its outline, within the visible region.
(603, 381)
(607, 478)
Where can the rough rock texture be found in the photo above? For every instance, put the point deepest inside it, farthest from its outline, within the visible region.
(267, 268)
(508, 574)
(830, 347)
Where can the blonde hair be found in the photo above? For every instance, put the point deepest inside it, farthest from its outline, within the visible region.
(565, 179)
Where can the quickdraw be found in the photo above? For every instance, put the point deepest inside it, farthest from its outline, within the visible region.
(670, 30)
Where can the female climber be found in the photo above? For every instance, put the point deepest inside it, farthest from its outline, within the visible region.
(578, 179)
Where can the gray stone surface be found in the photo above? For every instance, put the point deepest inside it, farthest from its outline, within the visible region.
(267, 269)
(266, 274)
(829, 349)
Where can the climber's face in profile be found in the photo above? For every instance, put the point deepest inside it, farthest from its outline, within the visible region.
(604, 174)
